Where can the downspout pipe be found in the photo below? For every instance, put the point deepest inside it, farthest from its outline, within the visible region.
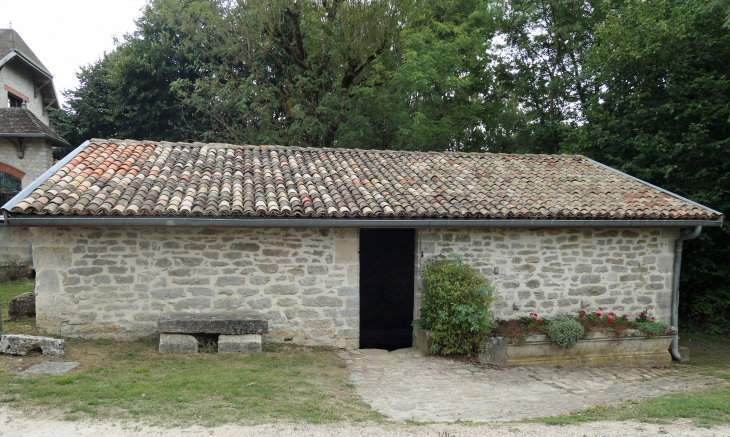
(674, 349)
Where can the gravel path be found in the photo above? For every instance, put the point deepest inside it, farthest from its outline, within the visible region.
(405, 385)
(13, 423)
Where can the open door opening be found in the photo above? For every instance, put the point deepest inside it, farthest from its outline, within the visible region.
(386, 288)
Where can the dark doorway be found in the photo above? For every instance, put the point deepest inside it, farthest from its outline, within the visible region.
(386, 288)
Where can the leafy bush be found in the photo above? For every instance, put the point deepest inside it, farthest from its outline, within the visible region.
(456, 301)
(652, 329)
(565, 331)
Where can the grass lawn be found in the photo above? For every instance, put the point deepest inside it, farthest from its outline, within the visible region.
(709, 356)
(132, 380)
(8, 290)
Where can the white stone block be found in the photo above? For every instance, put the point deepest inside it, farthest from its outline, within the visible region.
(178, 344)
(249, 343)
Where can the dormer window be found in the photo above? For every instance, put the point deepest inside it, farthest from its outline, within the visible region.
(14, 102)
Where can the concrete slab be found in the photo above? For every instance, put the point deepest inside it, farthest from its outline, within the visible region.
(51, 367)
(250, 343)
(178, 344)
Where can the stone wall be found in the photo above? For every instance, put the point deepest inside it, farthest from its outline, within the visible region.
(557, 271)
(37, 159)
(116, 282)
(19, 76)
(14, 245)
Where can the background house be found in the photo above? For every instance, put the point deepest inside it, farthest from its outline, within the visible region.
(26, 137)
(327, 244)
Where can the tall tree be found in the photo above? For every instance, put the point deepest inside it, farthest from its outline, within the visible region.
(289, 68)
(127, 93)
(545, 42)
(437, 92)
(661, 113)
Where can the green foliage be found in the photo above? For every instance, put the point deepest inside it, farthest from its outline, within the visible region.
(652, 329)
(565, 331)
(542, 69)
(662, 76)
(127, 93)
(456, 301)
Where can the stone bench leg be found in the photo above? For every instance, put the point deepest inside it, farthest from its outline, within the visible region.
(239, 343)
(178, 344)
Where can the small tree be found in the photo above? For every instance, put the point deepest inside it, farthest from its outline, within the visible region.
(456, 301)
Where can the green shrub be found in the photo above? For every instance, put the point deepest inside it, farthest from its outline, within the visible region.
(652, 329)
(565, 332)
(456, 301)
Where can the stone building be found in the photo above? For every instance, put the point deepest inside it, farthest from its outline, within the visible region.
(327, 244)
(26, 138)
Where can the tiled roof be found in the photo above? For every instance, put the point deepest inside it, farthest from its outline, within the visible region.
(21, 122)
(128, 178)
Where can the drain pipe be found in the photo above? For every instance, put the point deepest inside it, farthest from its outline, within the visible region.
(674, 351)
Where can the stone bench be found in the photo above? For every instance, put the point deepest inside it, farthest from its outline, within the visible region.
(235, 333)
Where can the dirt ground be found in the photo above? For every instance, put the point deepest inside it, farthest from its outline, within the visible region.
(16, 423)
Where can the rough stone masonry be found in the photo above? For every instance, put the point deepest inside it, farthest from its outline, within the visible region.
(554, 271)
(116, 282)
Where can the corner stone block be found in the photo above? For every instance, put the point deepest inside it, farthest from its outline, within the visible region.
(249, 343)
(178, 344)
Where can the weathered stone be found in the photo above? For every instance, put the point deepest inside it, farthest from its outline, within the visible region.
(281, 289)
(322, 301)
(22, 307)
(250, 343)
(168, 293)
(246, 247)
(178, 344)
(20, 344)
(50, 368)
(225, 281)
(229, 324)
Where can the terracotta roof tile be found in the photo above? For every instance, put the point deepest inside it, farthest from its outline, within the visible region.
(128, 178)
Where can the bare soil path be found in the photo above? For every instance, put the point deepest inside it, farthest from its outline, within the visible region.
(14, 423)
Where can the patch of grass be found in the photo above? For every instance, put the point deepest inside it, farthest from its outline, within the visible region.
(8, 290)
(132, 380)
(707, 407)
(709, 355)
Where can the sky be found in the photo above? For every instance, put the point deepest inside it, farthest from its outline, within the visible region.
(66, 34)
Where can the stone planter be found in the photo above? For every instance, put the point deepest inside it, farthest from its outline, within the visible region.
(596, 349)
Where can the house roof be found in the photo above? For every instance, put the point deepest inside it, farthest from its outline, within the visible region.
(146, 179)
(10, 40)
(12, 47)
(22, 123)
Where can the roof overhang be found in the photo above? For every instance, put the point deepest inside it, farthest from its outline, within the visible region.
(35, 135)
(41, 83)
(24, 220)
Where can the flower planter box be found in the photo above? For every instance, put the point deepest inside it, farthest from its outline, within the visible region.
(596, 349)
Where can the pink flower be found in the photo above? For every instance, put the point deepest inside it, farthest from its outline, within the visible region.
(627, 315)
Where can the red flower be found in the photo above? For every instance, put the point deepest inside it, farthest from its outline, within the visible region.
(610, 320)
(597, 314)
(580, 316)
(600, 309)
(611, 314)
(539, 320)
